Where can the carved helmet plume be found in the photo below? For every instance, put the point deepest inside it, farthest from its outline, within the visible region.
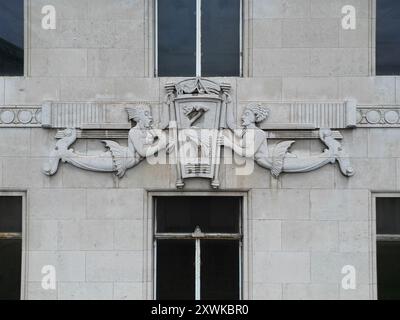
(260, 112)
(138, 112)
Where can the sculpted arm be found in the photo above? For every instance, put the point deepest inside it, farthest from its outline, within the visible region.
(144, 149)
(247, 150)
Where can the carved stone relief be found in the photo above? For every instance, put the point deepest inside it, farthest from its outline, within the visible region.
(21, 116)
(375, 116)
(196, 122)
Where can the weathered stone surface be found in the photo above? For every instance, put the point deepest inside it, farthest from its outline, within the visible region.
(26, 173)
(106, 9)
(31, 90)
(303, 228)
(267, 235)
(323, 178)
(70, 266)
(313, 33)
(128, 290)
(333, 8)
(281, 9)
(2, 92)
(310, 236)
(96, 235)
(355, 141)
(114, 266)
(270, 39)
(281, 62)
(59, 62)
(246, 174)
(85, 291)
(74, 9)
(313, 88)
(326, 268)
(14, 142)
(57, 204)
(262, 89)
(137, 89)
(348, 205)
(115, 204)
(42, 235)
(115, 63)
(36, 292)
(374, 174)
(339, 62)
(128, 235)
(384, 143)
(398, 90)
(362, 292)
(281, 204)
(368, 90)
(281, 267)
(263, 291)
(86, 89)
(354, 236)
(358, 38)
(310, 292)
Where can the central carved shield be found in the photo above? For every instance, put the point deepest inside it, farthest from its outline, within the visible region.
(198, 107)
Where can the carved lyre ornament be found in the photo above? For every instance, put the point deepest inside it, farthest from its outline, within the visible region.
(197, 121)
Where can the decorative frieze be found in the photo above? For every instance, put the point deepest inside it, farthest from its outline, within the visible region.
(72, 115)
(199, 121)
(20, 116)
(272, 134)
(378, 116)
(324, 115)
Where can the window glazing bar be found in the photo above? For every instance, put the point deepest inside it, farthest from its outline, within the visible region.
(198, 38)
(388, 237)
(10, 235)
(191, 236)
(198, 271)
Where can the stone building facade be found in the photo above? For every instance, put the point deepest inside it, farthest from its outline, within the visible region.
(300, 230)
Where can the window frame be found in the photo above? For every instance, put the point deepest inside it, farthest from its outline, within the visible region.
(27, 36)
(198, 40)
(246, 246)
(375, 238)
(197, 236)
(23, 237)
(373, 39)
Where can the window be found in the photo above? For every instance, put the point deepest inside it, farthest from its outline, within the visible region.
(11, 38)
(198, 248)
(388, 37)
(388, 247)
(199, 38)
(10, 247)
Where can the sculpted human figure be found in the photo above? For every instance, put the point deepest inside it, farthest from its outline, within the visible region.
(252, 143)
(143, 141)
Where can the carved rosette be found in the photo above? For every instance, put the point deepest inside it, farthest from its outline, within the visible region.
(378, 117)
(21, 116)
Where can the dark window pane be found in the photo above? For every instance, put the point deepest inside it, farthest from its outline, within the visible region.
(388, 215)
(211, 214)
(11, 37)
(175, 270)
(220, 38)
(11, 214)
(388, 37)
(10, 269)
(177, 38)
(219, 270)
(388, 262)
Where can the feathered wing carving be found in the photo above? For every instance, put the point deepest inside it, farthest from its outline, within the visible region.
(278, 157)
